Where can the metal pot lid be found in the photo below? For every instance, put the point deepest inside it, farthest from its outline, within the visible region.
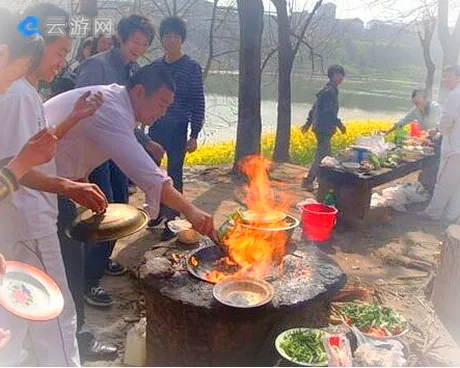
(118, 221)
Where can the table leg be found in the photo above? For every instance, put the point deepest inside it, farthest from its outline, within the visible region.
(353, 203)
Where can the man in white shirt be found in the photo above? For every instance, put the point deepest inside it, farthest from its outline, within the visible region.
(28, 231)
(109, 134)
(445, 203)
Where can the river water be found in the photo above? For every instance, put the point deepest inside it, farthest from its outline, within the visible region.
(222, 113)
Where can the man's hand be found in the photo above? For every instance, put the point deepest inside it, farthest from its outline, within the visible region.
(87, 195)
(201, 221)
(433, 132)
(192, 145)
(5, 336)
(38, 150)
(87, 105)
(156, 150)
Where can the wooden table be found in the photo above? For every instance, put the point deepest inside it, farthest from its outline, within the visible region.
(354, 190)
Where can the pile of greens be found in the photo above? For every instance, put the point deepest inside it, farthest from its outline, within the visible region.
(305, 346)
(373, 319)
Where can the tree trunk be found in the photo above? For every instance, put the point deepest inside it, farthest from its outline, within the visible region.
(450, 43)
(446, 291)
(426, 37)
(249, 117)
(285, 62)
(286, 55)
(429, 81)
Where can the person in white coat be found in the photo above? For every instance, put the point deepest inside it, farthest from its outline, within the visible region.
(445, 203)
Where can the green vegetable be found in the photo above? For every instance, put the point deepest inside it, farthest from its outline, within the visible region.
(372, 316)
(374, 160)
(305, 346)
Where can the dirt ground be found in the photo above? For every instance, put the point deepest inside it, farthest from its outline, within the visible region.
(366, 255)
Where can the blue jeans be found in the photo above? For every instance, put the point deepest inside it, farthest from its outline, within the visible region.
(174, 145)
(114, 183)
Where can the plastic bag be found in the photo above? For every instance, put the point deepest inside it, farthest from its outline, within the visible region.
(338, 351)
(378, 353)
(399, 196)
(329, 161)
(375, 143)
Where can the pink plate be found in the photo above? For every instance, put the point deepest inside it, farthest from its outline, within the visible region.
(30, 293)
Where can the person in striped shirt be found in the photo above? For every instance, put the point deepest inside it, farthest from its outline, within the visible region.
(188, 108)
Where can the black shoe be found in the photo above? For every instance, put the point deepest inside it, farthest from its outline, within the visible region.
(96, 350)
(97, 296)
(167, 234)
(114, 268)
(156, 222)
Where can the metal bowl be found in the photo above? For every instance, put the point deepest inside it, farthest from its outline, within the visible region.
(250, 216)
(243, 292)
(118, 221)
(288, 226)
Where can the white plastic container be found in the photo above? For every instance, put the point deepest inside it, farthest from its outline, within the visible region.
(135, 348)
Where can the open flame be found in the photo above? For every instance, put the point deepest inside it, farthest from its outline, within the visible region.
(256, 251)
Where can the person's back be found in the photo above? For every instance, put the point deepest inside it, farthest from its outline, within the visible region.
(324, 121)
(327, 109)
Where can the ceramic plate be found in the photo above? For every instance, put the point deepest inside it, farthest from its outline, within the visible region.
(280, 338)
(30, 293)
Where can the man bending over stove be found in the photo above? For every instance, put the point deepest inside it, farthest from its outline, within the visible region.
(109, 134)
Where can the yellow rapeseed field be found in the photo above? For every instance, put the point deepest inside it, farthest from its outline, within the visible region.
(302, 145)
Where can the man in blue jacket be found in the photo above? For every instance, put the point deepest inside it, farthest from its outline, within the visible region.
(324, 121)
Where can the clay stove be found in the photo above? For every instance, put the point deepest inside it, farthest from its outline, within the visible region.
(186, 326)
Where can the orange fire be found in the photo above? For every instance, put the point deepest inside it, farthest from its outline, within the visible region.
(256, 251)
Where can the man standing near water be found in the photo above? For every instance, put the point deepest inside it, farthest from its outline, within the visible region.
(188, 109)
(324, 121)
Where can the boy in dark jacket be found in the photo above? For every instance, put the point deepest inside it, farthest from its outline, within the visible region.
(324, 121)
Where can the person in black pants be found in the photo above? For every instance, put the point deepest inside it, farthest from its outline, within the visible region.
(136, 34)
(324, 121)
(188, 108)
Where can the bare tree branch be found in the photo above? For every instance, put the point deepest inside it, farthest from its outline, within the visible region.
(305, 26)
(211, 40)
(267, 59)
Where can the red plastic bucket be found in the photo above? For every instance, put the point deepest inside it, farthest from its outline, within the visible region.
(318, 221)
